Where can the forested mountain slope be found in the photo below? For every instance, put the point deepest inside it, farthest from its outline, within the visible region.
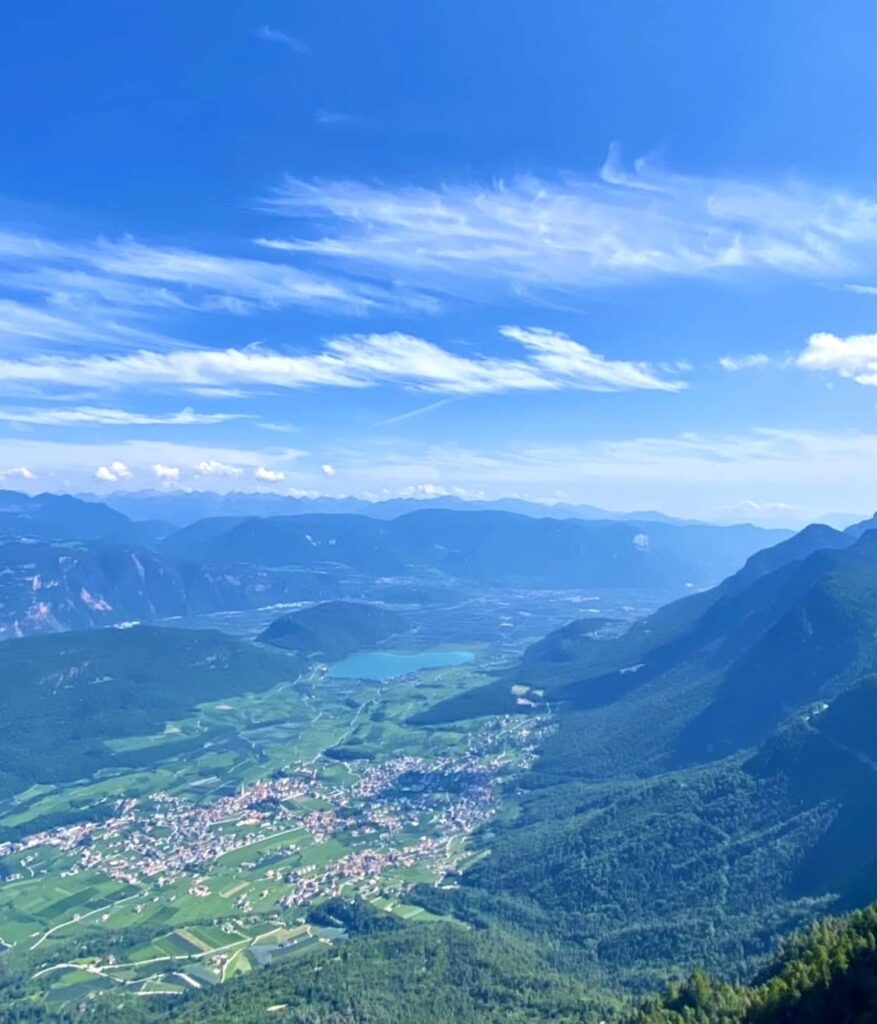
(62, 696)
(427, 974)
(799, 634)
(393, 973)
(595, 663)
(712, 792)
(438, 975)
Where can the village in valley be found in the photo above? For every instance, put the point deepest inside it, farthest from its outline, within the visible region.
(216, 868)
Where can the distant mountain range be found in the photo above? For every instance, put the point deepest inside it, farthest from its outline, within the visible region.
(60, 517)
(185, 507)
(494, 548)
(66, 563)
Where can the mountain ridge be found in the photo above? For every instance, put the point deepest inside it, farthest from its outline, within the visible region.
(499, 548)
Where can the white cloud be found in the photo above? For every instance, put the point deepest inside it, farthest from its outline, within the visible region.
(18, 320)
(269, 475)
(328, 470)
(166, 473)
(333, 118)
(116, 470)
(268, 284)
(17, 472)
(210, 467)
(423, 492)
(767, 506)
(408, 247)
(110, 417)
(766, 513)
(69, 465)
(406, 359)
(277, 428)
(563, 359)
(574, 233)
(854, 357)
(109, 291)
(861, 289)
(553, 361)
(735, 363)
(276, 35)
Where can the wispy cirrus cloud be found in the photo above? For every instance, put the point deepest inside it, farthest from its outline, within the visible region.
(854, 357)
(113, 293)
(577, 232)
(71, 323)
(276, 35)
(329, 118)
(97, 415)
(227, 277)
(551, 361)
(563, 359)
(749, 362)
(361, 247)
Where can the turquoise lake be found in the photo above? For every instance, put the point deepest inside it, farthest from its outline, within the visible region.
(387, 665)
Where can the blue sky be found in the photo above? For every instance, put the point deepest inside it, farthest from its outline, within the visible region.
(613, 253)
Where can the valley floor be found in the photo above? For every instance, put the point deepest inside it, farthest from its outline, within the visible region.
(202, 867)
